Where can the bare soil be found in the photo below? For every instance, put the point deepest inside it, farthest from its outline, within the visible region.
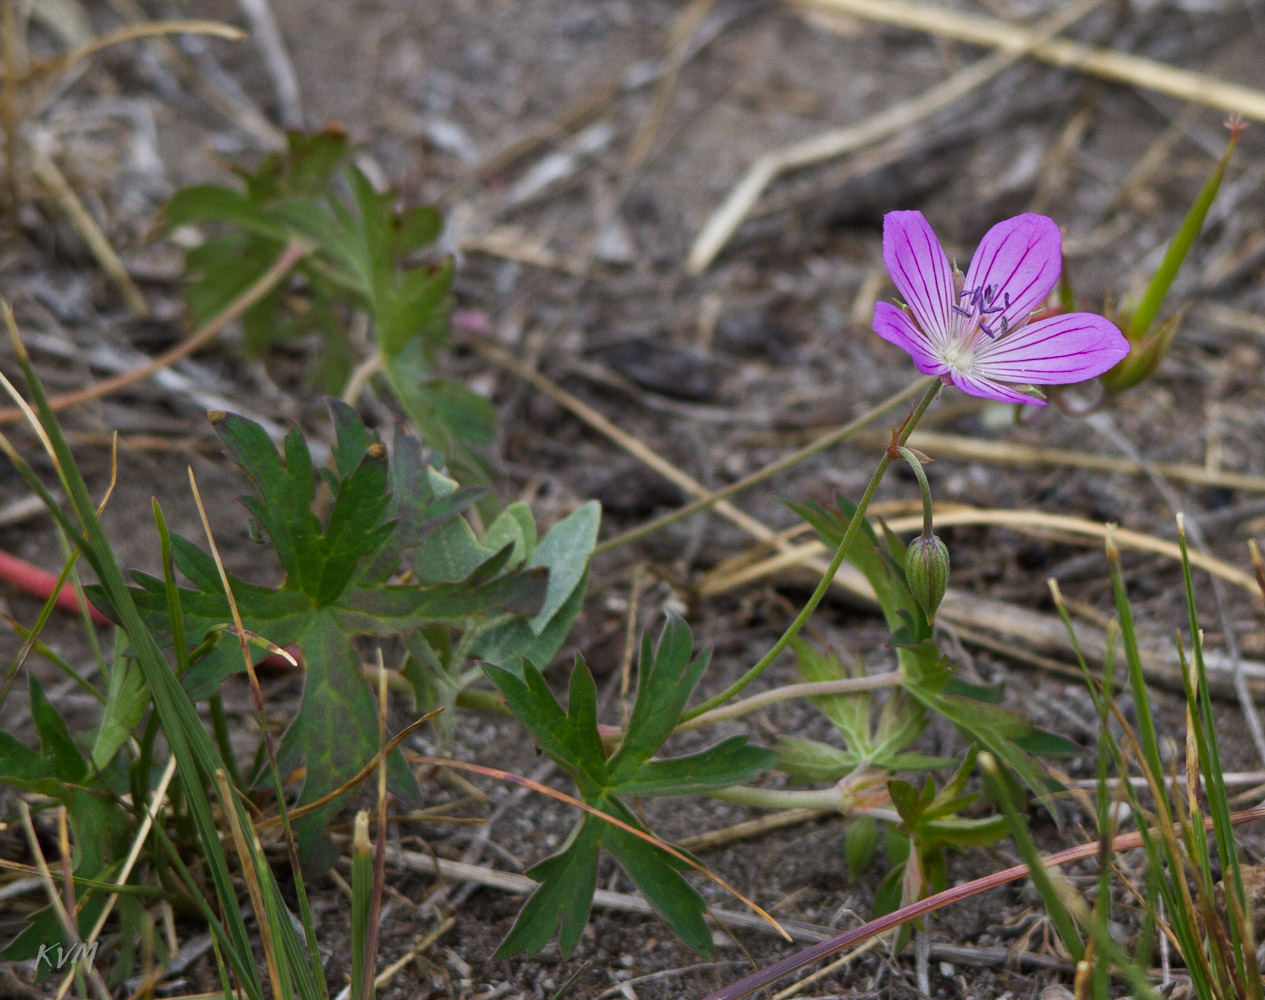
(583, 276)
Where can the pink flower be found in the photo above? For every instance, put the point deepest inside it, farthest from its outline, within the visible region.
(975, 332)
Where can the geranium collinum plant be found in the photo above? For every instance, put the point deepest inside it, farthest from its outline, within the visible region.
(977, 332)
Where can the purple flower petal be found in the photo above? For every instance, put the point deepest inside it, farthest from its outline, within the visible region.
(1020, 257)
(978, 385)
(1054, 351)
(896, 328)
(920, 270)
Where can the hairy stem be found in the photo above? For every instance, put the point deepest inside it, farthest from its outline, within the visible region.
(849, 685)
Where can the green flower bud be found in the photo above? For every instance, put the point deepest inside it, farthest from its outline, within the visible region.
(927, 572)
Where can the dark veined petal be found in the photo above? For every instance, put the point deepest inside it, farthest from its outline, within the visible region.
(1022, 258)
(920, 271)
(896, 328)
(1054, 351)
(978, 385)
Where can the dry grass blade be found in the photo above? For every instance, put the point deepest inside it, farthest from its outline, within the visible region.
(750, 828)
(391, 971)
(246, 858)
(1021, 520)
(495, 878)
(46, 876)
(1016, 454)
(368, 770)
(292, 253)
(142, 834)
(726, 219)
(726, 577)
(1119, 67)
(978, 612)
(641, 452)
(54, 181)
(266, 34)
(133, 32)
(536, 786)
(706, 498)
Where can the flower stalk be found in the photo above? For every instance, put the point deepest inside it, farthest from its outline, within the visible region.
(927, 557)
(900, 436)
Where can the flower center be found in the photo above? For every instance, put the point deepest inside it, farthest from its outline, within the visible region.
(980, 305)
(959, 355)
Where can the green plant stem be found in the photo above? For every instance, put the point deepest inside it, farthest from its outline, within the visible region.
(923, 485)
(796, 798)
(841, 553)
(849, 685)
(827, 440)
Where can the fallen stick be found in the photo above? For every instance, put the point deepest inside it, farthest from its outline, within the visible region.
(1017, 625)
(718, 229)
(1107, 64)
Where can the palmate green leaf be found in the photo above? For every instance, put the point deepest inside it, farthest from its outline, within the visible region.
(812, 760)
(726, 763)
(312, 160)
(56, 744)
(565, 552)
(417, 227)
(666, 677)
(286, 489)
(658, 875)
(334, 591)
(215, 203)
(422, 501)
(358, 255)
(567, 881)
(334, 734)
(850, 713)
(570, 737)
(467, 414)
(509, 644)
(219, 272)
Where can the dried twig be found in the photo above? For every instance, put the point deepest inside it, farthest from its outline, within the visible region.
(1024, 521)
(1019, 624)
(265, 33)
(292, 253)
(48, 174)
(621, 901)
(726, 219)
(1119, 67)
(1015, 453)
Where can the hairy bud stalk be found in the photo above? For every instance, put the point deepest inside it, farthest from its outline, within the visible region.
(927, 557)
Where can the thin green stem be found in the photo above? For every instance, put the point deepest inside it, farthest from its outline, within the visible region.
(783, 799)
(760, 475)
(849, 685)
(923, 485)
(841, 553)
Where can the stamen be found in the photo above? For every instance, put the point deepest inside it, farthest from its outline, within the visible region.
(981, 300)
